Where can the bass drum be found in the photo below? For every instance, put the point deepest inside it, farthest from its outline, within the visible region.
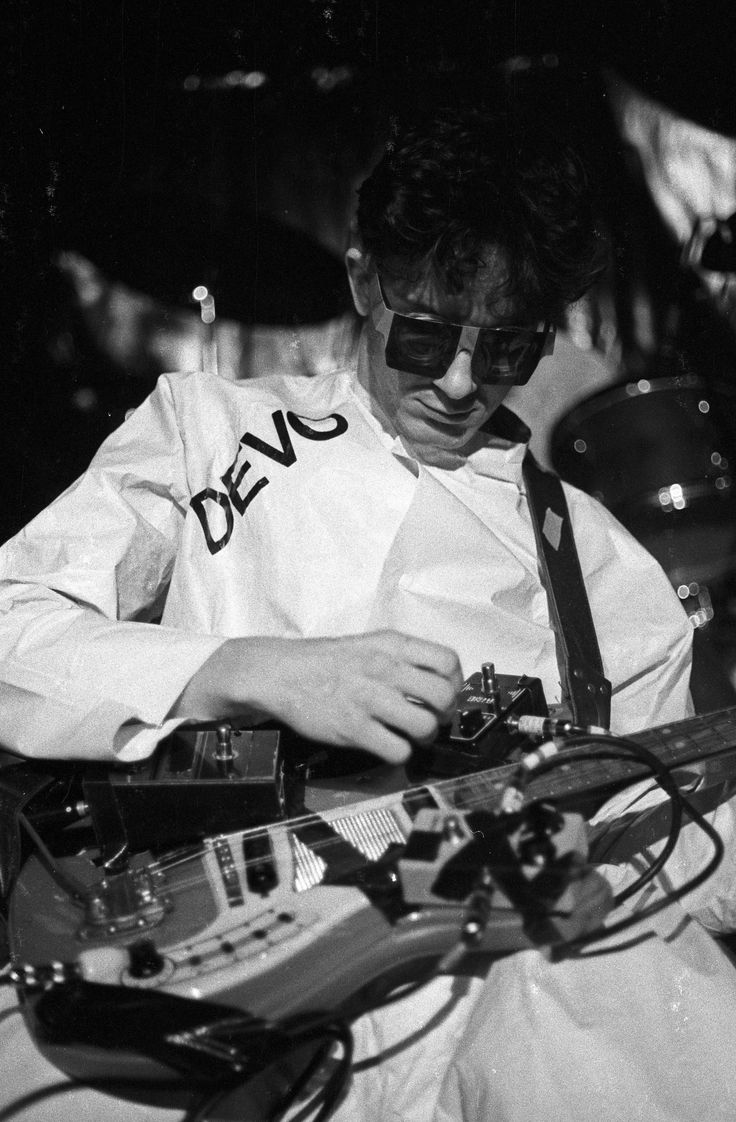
(661, 455)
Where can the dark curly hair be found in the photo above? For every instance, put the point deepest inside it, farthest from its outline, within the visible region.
(466, 180)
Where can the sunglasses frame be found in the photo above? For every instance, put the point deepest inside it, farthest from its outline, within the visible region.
(467, 340)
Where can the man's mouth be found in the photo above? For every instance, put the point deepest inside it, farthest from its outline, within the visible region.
(449, 416)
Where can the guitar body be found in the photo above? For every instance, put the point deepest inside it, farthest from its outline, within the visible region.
(128, 971)
(325, 913)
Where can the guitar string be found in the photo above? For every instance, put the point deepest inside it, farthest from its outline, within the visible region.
(288, 829)
(199, 874)
(182, 886)
(475, 792)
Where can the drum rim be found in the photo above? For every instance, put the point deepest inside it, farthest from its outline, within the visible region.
(627, 391)
(693, 493)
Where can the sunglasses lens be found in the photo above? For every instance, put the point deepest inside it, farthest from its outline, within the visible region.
(421, 346)
(507, 356)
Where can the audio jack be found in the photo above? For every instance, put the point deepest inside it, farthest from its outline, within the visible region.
(542, 728)
(553, 733)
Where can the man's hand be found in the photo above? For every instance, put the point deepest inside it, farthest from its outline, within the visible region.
(379, 691)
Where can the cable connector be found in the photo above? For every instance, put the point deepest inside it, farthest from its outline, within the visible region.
(545, 727)
(475, 921)
(512, 796)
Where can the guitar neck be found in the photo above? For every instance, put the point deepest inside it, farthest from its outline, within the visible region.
(704, 745)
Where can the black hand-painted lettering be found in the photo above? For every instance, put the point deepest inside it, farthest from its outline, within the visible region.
(241, 502)
(234, 476)
(197, 503)
(304, 429)
(285, 455)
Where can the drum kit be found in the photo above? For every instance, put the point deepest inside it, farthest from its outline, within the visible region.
(660, 453)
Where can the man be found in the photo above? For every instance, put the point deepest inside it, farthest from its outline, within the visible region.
(322, 550)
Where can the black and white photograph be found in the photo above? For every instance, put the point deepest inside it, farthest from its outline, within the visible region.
(368, 561)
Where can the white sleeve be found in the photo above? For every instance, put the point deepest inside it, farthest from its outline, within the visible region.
(84, 672)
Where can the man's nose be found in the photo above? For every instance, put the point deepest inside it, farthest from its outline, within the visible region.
(457, 381)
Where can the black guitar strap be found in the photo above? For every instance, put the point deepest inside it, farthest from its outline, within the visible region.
(585, 688)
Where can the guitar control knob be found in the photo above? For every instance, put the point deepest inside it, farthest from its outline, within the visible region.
(489, 683)
(224, 750)
(145, 959)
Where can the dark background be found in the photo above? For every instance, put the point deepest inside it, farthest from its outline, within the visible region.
(110, 149)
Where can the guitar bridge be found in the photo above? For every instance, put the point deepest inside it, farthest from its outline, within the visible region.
(123, 902)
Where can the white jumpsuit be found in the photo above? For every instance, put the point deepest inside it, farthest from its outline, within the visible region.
(280, 507)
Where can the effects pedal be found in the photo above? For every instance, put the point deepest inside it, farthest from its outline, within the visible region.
(480, 735)
(201, 781)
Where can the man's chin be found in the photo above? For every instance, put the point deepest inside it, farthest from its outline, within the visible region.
(436, 446)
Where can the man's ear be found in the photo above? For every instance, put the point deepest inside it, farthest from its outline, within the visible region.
(359, 269)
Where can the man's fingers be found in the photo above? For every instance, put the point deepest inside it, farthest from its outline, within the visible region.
(434, 657)
(424, 671)
(379, 691)
(428, 688)
(392, 709)
(393, 654)
(385, 742)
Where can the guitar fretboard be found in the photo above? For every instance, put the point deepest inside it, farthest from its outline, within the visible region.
(697, 741)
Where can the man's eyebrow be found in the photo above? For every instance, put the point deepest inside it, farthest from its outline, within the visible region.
(421, 307)
(499, 320)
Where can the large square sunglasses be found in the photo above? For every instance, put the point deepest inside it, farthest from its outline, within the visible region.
(419, 343)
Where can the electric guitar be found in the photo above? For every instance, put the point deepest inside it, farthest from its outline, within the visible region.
(123, 971)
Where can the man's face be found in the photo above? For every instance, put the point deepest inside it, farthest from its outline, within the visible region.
(442, 413)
